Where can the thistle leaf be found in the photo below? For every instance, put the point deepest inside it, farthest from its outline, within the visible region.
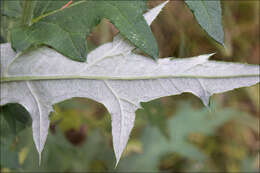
(113, 76)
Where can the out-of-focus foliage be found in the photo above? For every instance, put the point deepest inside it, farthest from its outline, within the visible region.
(194, 138)
(14, 119)
(186, 123)
(80, 134)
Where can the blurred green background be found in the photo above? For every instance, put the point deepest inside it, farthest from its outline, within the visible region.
(174, 134)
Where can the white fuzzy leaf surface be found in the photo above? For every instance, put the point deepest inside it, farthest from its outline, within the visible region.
(113, 76)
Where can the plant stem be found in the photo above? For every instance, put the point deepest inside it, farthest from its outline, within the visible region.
(55, 11)
(27, 13)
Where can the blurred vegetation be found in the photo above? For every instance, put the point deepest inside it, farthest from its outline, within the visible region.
(175, 134)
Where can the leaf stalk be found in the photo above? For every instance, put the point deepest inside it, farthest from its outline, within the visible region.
(27, 12)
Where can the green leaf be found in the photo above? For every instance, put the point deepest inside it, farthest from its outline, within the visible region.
(208, 15)
(11, 8)
(66, 30)
(16, 117)
(10, 13)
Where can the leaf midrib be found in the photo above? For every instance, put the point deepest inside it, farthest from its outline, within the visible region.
(100, 77)
(36, 99)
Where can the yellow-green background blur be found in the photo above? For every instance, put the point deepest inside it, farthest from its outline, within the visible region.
(168, 130)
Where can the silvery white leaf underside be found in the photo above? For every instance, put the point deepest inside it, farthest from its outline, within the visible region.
(113, 76)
